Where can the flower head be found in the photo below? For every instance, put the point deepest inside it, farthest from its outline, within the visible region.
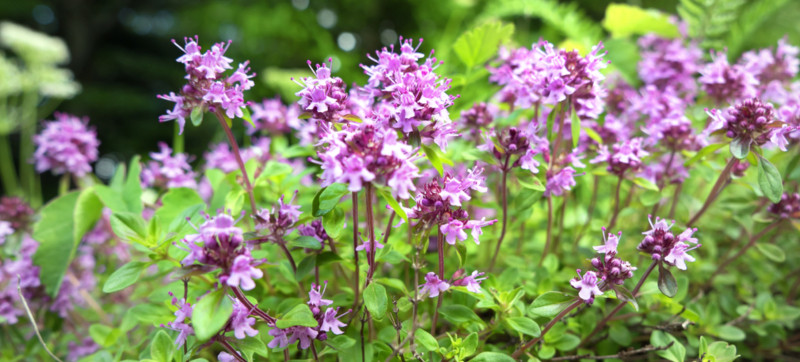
(472, 281)
(587, 286)
(610, 245)
(167, 170)
(623, 156)
(241, 322)
(750, 121)
(66, 144)
(662, 244)
(433, 285)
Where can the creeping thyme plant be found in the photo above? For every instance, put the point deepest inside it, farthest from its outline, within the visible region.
(630, 191)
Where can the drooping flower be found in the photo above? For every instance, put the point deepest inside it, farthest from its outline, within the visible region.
(587, 286)
(433, 285)
(66, 145)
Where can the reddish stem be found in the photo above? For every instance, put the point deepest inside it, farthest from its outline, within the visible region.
(237, 154)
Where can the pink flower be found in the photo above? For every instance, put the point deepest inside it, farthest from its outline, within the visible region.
(678, 256)
(5, 230)
(587, 286)
(472, 281)
(279, 340)
(476, 226)
(241, 322)
(452, 231)
(433, 285)
(611, 242)
(67, 144)
(331, 323)
(242, 273)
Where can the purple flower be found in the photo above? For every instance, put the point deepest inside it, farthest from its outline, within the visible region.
(750, 121)
(472, 281)
(168, 171)
(367, 246)
(16, 211)
(668, 170)
(242, 273)
(476, 226)
(587, 286)
(226, 357)
(279, 221)
(22, 266)
(560, 182)
(84, 348)
(180, 324)
(241, 322)
(624, 156)
(5, 230)
(66, 144)
(669, 63)
(724, 82)
(331, 323)
(433, 285)
(664, 245)
(772, 69)
(612, 270)
(305, 335)
(678, 255)
(280, 339)
(315, 297)
(787, 207)
(322, 96)
(452, 231)
(610, 245)
(272, 116)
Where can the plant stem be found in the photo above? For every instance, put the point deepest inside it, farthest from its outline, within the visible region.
(675, 198)
(253, 308)
(590, 211)
(8, 171)
(549, 229)
(440, 247)
(744, 249)
(723, 177)
(237, 154)
(504, 200)
(619, 307)
(355, 245)
(616, 205)
(549, 325)
(230, 349)
(177, 139)
(371, 233)
(63, 184)
(561, 213)
(29, 180)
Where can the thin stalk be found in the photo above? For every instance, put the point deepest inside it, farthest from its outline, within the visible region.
(371, 233)
(177, 138)
(33, 322)
(440, 247)
(28, 177)
(237, 154)
(63, 184)
(590, 211)
(518, 353)
(504, 200)
(8, 171)
(723, 177)
(616, 205)
(557, 239)
(744, 249)
(254, 309)
(288, 255)
(232, 351)
(619, 307)
(314, 351)
(355, 245)
(549, 228)
(675, 198)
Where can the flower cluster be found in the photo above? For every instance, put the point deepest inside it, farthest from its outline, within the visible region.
(66, 145)
(22, 266)
(544, 75)
(207, 86)
(327, 321)
(623, 156)
(788, 207)
(525, 143)
(165, 170)
(669, 63)
(323, 96)
(433, 286)
(279, 221)
(662, 244)
(273, 117)
(773, 70)
(367, 152)
(316, 230)
(609, 272)
(221, 246)
(438, 204)
(15, 211)
(181, 323)
(666, 124)
(478, 117)
(221, 157)
(750, 121)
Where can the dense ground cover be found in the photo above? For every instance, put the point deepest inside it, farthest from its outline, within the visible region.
(632, 196)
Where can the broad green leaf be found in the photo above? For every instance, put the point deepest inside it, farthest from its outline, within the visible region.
(769, 179)
(433, 156)
(308, 242)
(772, 251)
(124, 277)
(705, 151)
(300, 315)
(740, 148)
(305, 267)
(333, 223)
(524, 325)
(110, 198)
(645, 184)
(211, 313)
(132, 192)
(550, 304)
(721, 352)
(458, 314)
(480, 44)
(576, 128)
(469, 345)
(174, 203)
(251, 345)
(675, 353)
(162, 348)
(728, 333)
(376, 300)
(666, 282)
(327, 198)
(623, 20)
(387, 196)
(567, 342)
(55, 233)
(426, 340)
(593, 135)
(621, 334)
(129, 227)
(341, 342)
(104, 335)
(492, 357)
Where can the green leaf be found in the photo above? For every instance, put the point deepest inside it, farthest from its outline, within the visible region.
(740, 147)
(469, 345)
(55, 233)
(675, 353)
(327, 199)
(623, 20)
(104, 335)
(550, 304)
(567, 342)
(426, 340)
(705, 151)
(161, 349)
(333, 222)
(576, 126)
(174, 203)
(666, 282)
(129, 227)
(593, 135)
(524, 325)
(721, 351)
(434, 158)
(300, 315)
(247, 116)
(534, 184)
(132, 191)
(305, 267)
(480, 44)
(124, 277)
(769, 179)
(197, 116)
(211, 313)
(728, 333)
(645, 184)
(492, 357)
(458, 314)
(387, 196)
(341, 342)
(251, 345)
(308, 242)
(619, 333)
(624, 294)
(375, 299)
(461, 250)
(551, 118)
(772, 251)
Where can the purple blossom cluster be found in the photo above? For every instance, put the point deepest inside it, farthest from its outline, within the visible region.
(316, 230)
(183, 313)
(278, 221)
(434, 286)
(327, 322)
(610, 271)
(323, 96)
(662, 244)
(22, 266)
(751, 121)
(438, 204)
(219, 244)
(670, 63)
(273, 117)
(623, 156)
(166, 170)
(66, 145)
(367, 152)
(208, 87)
(788, 207)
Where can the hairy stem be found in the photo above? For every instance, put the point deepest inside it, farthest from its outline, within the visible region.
(504, 200)
(237, 154)
(549, 325)
(718, 186)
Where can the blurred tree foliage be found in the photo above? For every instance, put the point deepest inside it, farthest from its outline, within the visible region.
(122, 55)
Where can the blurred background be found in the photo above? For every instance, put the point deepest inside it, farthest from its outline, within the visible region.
(122, 56)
